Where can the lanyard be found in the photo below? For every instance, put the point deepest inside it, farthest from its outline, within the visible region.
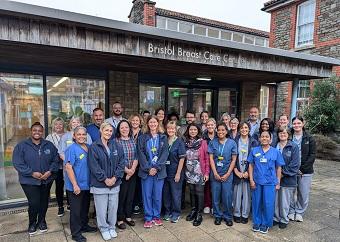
(170, 145)
(220, 151)
(153, 145)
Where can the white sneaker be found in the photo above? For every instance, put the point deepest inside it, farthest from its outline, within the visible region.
(206, 210)
(106, 235)
(291, 216)
(298, 218)
(113, 233)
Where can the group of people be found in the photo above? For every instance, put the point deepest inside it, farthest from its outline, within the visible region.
(230, 168)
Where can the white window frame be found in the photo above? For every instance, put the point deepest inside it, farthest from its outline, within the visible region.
(298, 24)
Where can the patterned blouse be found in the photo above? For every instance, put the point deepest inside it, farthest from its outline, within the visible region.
(130, 150)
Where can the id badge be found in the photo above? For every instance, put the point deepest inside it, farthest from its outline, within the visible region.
(155, 158)
(220, 158)
(263, 160)
(167, 162)
(219, 164)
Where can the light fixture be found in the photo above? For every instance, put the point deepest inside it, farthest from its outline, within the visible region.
(60, 81)
(203, 78)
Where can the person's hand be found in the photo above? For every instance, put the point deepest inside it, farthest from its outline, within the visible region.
(129, 172)
(177, 177)
(217, 176)
(239, 174)
(113, 180)
(37, 175)
(300, 173)
(108, 182)
(277, 187)
(206, 178)
(127, 177)
(245, 175)
(252, 185)
(76, 189)
(132, 171)
(225, 177)
(46, 175)
(153, 172)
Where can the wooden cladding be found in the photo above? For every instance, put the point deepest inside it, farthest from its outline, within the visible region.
(71, 35)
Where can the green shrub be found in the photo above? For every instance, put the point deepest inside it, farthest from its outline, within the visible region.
(322, 113)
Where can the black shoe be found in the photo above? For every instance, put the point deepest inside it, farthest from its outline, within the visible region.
(130, 223)
(68, 207)
(121, 226)
(282, 225)
(192, 215)
(237, 219)
(217, 221)
(229, 223)
(88, 229)
(43, 227)
(136, 210)
(275, 223)
(198, 220)
(79, 238)
(61, 211)
(32, 229)
(244, 220)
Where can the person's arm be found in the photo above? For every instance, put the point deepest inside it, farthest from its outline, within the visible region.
(20, 164)
(312, 152)
(70, 160)
(213, 167)
(144, 165)
(93, 163)
(292, 168)
(119, 173)
(163, 156)
(231, 167)
(206, 159)
(181, 156)
(251, 160)
(278, 175)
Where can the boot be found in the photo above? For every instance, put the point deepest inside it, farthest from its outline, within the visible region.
(198, 220)
(192, 215)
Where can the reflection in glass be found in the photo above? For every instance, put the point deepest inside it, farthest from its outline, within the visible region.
(69, 96)
(21, 104)
(151, 97)
(227, 102)
(201, 101)
(177, 100)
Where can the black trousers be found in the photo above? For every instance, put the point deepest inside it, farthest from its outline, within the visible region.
(197, 197)
(59, 188)
(126, 196)
(38, 198)
(79, 210)
(137, 199)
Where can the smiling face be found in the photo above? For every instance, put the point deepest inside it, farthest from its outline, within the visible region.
(244, 130)
(283, 121)
(171, 130)
(124, 129)
(37, 132)
(117, 109)
(204, 118)
(253, 114)
(264, 125)
(265, 138)
(298, 125)
(211, 126)
(190, 118)
(75, 123)
(193, 131)
(80, 136)
(283, 135)
(160, 115)
(98, 117)
(135, 122)
(58, 127)
(153, 125)
(106, 132)
(226, 120)
(221, 132)
(234, 124)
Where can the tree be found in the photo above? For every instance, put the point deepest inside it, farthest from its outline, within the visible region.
(322, 113)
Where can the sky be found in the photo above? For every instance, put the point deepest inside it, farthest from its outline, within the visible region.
(240, 12)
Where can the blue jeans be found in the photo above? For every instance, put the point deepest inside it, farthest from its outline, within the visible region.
(172, 196)
(152, 197)
(222, 190)
(263, 204)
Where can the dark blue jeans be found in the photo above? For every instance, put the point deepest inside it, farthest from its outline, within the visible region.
(172, 196)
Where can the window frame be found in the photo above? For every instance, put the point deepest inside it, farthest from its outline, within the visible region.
(308, 2)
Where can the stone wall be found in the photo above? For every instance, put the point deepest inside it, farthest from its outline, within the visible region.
(124, 88)
(143, 12)
(280, 29)
(250, 96)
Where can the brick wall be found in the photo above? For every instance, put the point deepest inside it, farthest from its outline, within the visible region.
(143, 12)
(124, 88)
(250, 96)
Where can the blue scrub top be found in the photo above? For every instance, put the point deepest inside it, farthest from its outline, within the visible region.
(216, 148)
(265, 164)
(176, 152)
(77, 157)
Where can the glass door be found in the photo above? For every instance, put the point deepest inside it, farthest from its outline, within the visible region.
(177, 100)
(227, 102)
(201, 101)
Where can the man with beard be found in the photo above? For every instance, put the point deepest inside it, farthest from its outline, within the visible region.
(98, 119)
(117, 111)
(189, 118)
(254, 120)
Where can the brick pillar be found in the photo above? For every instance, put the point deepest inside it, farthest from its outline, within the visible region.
(124, 88)
(271, 102)
(284, 98)
(143, 12)
(250, 96)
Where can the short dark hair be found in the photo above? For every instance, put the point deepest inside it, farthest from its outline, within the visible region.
(37, 124)
(159, 109)
(204, 111)
(97, 109)
(189, 111)
(225, 126)
(118, 134)
(263, 131)
(199, 134)
(244, 123)
(282, 129)
(146, 111)
(173, 114)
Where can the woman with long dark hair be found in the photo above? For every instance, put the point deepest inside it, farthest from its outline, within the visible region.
(197, 171)
(267, 124)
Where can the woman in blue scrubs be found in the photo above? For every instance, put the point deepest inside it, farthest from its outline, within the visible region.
(264, 169)
(223, 152)
(172, 190)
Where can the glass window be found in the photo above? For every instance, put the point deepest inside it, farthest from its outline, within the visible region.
(201, 101)
(304, 89)
(213, 33)
(249, 39)
(21, 104)
(69, 96)
(264, 100)
(151, 97)
(237, 37)
(177, 100)
(160, 22)
(305, 23)
(225, 35)
(185, 27)
(172, 24)
(227, 102)
(199, 30)
(259, 41)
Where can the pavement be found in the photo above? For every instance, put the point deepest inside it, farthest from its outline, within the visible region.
(321, 222)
